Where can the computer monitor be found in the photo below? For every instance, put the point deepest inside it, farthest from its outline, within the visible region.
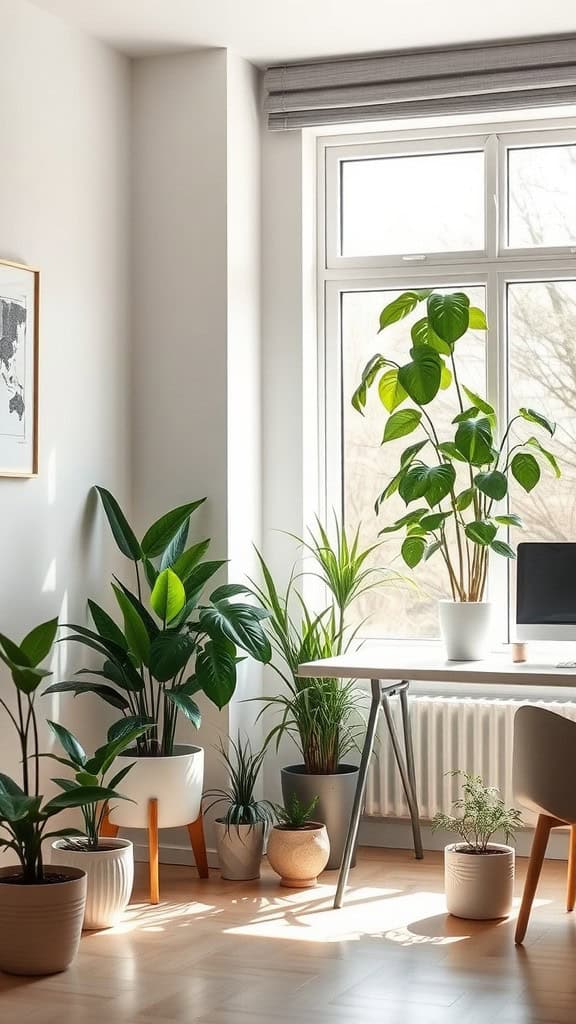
(546, 592)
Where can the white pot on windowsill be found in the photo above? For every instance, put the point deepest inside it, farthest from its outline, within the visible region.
(466, 628)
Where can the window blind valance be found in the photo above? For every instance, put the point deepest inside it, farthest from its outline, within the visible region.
(454, 80)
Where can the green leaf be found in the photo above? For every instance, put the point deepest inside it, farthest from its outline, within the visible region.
(494, 484)
(535, 443)
(481, 404)
(189, 559)
(38, 642)
(412, 550)
(434, 520)
(421, 378)
(464, 499)
(228, 590)
(422, 334)
(106, 626)
(134, 628)
(163, 531)
(86, 779)
(216, 671)
(536, 417)
(432, 549)
(432, 483)
(82, 796)
(510, 519)
(106, 754)
(501, 548)
(410, 453)
(480, 532)
(468, 414)
(121, 531)
(401, 423)
(70, 744)
(196, 580)
(168, 596)
(14, 653)
(186, 705)
(525, 470)
(473, 440)
(107, 694)
(477, 319)
(151, 571)
(449, 448)
(174, 549)
(170, 653)
(401, 307)
(449, 315)
(239, 623)
(391, 393)
(407, 520)
(445, 378)
(124, 726)
(27, 680)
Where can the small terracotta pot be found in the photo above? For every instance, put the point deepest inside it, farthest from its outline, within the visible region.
(240, 849)
(479, 886)
(110, 875)
(299, 855)
(40, 925)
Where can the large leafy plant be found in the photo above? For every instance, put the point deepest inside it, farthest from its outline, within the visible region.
(146, 672)
(25, 816)
(456, 482)
(322, 716)
(480, 814)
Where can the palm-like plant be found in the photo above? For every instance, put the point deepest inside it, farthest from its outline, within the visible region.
(243, 765)
(322, 716)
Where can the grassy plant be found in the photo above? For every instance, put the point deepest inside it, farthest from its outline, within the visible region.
(482, 813)
(295, 814)
(243, 766)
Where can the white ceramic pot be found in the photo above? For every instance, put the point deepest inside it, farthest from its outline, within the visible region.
(479, 886)
(175, 781)
(466, 628)
(110, 874)
(299, 855)
(41, 925)
(240, 849)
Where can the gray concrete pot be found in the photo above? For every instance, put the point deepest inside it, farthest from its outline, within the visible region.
(240, 849)
(335, 798)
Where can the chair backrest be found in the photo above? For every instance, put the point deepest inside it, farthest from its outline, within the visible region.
(545, 762)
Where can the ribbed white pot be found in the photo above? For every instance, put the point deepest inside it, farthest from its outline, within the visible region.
(479, 886)
(110, 874)
(240, 849)
(466, 628)
(40, 925)
(176, 782)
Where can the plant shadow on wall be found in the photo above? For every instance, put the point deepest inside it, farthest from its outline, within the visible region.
(322, 716)
(457, 481)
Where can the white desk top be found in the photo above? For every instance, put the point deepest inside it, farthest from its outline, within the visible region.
(428, 664)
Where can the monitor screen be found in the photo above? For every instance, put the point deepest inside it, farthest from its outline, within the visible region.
(546, 584)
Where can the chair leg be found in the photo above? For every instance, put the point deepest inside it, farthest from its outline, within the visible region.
(107, 829)
(539, 845)
(571, 891)
(153, 849)
(198, 843)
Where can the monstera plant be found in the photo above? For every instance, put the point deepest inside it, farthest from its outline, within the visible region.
(172, 643)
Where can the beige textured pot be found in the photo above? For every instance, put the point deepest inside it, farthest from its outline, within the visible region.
(479, 886)
(240, 849)
(40, 925)
(110, 875)
(175, 781)
(299, 855)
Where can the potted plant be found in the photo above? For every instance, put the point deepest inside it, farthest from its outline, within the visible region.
(241, 831)
(147, 673)
(298, 848)
(479, 874)
(108, 863)
(452, 486)
(322, 716)
(41, 908)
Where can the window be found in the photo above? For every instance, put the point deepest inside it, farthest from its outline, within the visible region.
(495, 215)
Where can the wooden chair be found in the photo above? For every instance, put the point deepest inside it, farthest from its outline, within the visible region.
(197, 841)
(545, 783)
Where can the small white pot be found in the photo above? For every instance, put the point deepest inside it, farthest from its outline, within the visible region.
(110, 874)
(466, 628)
(240, 849)
(479, 886)
(299, 855)
(176, 782)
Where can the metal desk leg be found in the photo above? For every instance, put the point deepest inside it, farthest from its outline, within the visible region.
(359, 795)
(411, 772)
(410, 795)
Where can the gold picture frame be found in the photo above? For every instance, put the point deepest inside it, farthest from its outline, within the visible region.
(19, 369)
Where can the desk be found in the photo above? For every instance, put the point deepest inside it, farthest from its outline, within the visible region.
(390, 670)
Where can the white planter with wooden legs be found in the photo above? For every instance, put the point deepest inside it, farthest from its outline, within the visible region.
(110, 877)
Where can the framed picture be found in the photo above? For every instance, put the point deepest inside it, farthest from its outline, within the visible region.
(19, 294)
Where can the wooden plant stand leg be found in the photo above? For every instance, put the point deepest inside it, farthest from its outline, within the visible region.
(539, 844)
(153, 849)
(571, 892)
(198, 844)
(107, 828)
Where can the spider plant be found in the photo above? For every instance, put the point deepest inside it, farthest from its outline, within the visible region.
(243, 765)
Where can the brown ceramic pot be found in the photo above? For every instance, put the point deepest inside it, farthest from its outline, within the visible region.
(41, 925)
(299, 855)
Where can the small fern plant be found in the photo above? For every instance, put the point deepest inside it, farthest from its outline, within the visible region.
(480, 813)
(295, 814)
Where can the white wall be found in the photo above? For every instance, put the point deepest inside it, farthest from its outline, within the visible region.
(64, 103)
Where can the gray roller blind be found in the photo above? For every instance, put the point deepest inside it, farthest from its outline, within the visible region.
(499, 76)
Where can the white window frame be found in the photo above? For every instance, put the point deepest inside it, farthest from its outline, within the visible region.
(496, 266)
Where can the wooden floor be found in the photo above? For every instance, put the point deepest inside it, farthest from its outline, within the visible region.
(217, 952)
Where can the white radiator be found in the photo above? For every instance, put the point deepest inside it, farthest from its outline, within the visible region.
(473, 734)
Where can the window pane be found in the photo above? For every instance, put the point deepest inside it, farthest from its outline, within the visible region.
(542, 347)
(367, 467)
(542, 196)
(413, 204)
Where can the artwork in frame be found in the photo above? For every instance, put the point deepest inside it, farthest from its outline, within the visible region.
(19, 293)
